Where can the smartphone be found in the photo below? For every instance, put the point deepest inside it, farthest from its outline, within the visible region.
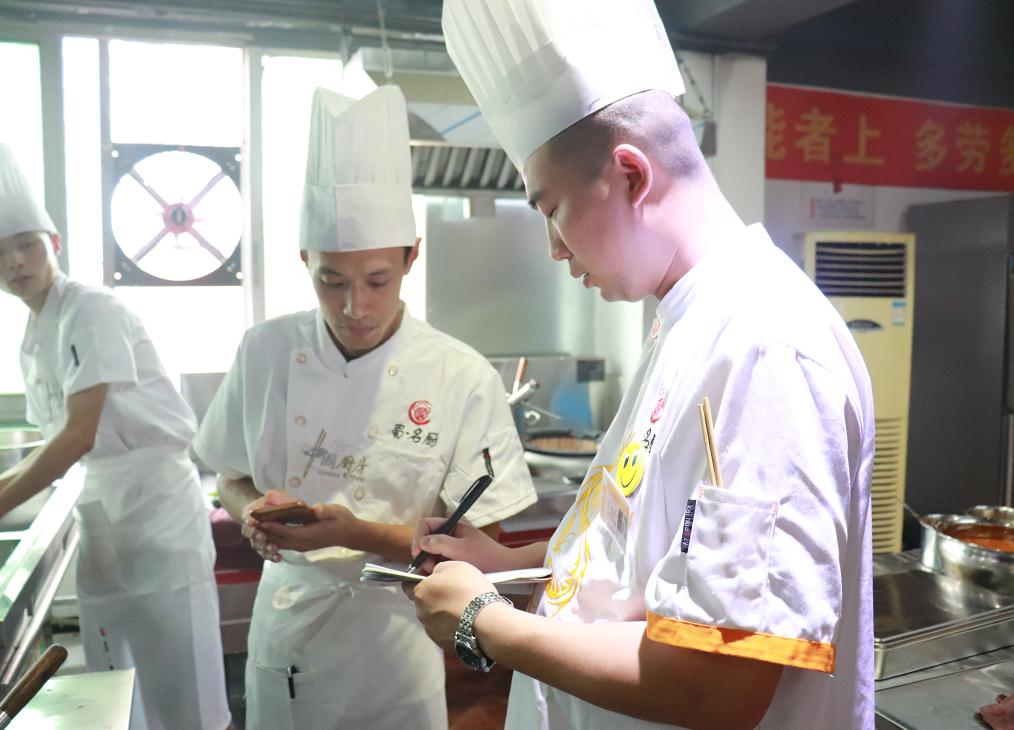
(290, 513)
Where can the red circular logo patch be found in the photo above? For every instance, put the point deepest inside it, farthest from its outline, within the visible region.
(419, 412)
(659, 406)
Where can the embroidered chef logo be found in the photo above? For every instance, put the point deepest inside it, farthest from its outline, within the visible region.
(656, 413)
(419, 412)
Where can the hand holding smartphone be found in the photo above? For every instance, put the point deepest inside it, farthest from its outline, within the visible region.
(289, 513)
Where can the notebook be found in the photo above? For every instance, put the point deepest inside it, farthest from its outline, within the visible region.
(373, 573)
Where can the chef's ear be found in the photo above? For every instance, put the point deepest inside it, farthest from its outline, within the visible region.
(303, 257)
(411, 254)
(55, 243)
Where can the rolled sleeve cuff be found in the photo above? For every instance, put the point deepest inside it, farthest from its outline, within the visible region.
(790, 652)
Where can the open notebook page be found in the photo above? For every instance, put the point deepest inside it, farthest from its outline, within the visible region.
(373, 573)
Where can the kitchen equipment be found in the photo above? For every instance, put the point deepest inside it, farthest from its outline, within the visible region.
(961, 417)
(16, 443)
(944, 552)
(999, 515)
(519, 376)
(922, 619)
(32, 681)
(948, 700)
(560, 455)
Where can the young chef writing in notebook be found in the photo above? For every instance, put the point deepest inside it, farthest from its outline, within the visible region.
(372, 414)
(672, 600)
(96, 389)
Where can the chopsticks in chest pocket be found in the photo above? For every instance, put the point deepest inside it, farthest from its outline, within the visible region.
(710, 447)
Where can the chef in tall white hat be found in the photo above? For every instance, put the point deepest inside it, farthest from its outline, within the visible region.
(371, 415)
(681, 594)
(96, 389)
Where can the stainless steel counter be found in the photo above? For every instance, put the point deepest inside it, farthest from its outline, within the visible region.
(947, 695)
(96, 701)
(540, 520)
(36, 545)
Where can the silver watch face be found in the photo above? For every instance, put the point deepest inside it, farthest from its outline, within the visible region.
(468, 650)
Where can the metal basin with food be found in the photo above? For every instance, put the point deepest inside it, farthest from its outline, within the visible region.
(970, 548)
(991, 513)
(560, 455)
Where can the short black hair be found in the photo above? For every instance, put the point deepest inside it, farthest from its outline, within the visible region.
(652, 121)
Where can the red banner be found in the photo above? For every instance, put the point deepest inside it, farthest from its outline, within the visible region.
(828, 136)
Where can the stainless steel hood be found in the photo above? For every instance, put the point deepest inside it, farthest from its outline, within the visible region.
(439, 167)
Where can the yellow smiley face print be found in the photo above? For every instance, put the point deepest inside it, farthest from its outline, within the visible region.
(630, 470)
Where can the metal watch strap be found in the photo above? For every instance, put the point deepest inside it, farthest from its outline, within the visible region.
(466, 626)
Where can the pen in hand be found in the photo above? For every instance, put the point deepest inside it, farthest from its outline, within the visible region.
(474, 492)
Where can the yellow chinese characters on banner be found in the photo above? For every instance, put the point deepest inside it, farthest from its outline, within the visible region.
(828, 136)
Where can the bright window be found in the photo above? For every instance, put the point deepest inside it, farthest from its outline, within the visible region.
(83, 159)
(288, 86)
(20, 89)
(188, 95)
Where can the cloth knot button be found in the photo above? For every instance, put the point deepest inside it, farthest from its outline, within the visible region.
(301, 358)
(300, 421)
(295, 481)
(393, 370)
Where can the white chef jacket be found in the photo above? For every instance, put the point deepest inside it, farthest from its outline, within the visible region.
(416, 413)
(386, 435)
(85, 336)
(145, 564)
(776, 565)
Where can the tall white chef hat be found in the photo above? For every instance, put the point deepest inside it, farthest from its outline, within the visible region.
(535, 67)
(358, 192)
(20, 211)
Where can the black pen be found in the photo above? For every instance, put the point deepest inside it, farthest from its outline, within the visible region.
(73, 351)
(474, 492)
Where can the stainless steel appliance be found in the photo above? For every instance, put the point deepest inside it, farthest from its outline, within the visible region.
(962, 406)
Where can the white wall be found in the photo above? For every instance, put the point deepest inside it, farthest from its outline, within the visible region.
(786, 215)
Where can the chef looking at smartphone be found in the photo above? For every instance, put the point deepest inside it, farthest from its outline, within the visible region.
(372, 417)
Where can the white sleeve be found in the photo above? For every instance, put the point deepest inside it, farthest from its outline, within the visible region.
(487, 423)
(221, 439)
(756, 571)
(98, 344)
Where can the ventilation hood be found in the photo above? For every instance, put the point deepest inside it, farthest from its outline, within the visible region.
(442, 167)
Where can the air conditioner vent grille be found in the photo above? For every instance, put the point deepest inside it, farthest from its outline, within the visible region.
(850, 269)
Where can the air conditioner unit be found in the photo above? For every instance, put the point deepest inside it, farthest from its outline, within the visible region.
(870, 279)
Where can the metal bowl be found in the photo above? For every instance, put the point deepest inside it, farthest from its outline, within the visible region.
(999, 515)
(993, 569)
(16, 444)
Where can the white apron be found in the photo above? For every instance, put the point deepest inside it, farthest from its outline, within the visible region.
(146, 588)
(324, 650)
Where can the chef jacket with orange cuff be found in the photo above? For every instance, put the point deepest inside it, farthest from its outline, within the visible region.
(775, 565)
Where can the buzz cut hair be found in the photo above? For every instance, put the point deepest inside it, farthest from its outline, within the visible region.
(652, 121)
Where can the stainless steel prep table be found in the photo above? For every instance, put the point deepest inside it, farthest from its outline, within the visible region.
(35, 557)
(942, 697)
(94, 701)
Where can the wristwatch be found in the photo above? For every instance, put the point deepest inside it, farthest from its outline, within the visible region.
(465, 643)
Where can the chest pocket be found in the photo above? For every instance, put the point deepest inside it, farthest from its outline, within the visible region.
(405, 484)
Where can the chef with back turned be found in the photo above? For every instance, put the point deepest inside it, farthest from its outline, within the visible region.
(370, 416)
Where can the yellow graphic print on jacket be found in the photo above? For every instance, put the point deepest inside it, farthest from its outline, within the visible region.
(563, 586)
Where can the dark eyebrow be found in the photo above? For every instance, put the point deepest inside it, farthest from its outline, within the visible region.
(376, 272)
(534, 198)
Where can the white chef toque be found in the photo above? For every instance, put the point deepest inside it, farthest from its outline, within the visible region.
(535, 67)
(358, 192)
(20, 211)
